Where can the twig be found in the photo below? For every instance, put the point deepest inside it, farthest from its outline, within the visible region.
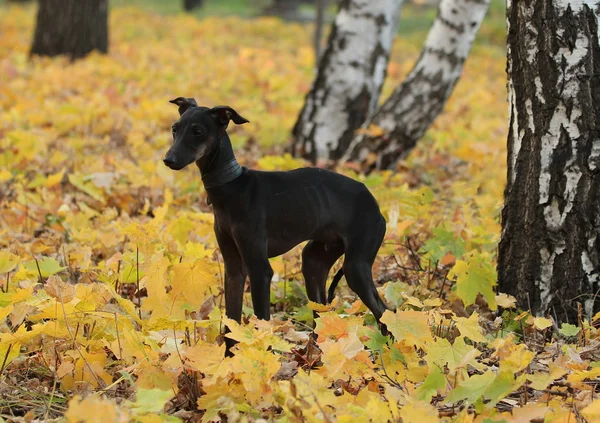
(413, 254)
(385, 375)
(39, 271)
(176, 347)
(48, 408)
(7, 281)
(118, 337)
(137, 280)
(66, 261)
(118, 276)
(5, 358)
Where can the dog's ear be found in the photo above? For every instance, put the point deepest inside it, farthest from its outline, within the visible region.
(223, 114)
(184, 104)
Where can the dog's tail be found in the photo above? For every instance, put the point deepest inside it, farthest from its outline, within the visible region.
(334, 284)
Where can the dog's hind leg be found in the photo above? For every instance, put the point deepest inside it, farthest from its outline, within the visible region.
(358, 263)
(317, 259)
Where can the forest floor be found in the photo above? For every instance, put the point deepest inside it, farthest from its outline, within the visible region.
(111, 283)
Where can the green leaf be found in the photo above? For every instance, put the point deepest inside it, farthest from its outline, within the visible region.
(503, 384)
(150, 400)
(477, 276)
(441, 353)
(489, 385)
(443, 242)
(435, 380)
(48, 266)
(376, 340)
(472, 388)
(568, 329)
(393, 293)
(303, 314)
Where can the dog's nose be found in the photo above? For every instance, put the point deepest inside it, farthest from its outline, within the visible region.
(169, 162)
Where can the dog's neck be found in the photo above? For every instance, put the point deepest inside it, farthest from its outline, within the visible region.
(219, 166)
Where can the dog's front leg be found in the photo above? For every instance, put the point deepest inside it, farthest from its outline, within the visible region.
(253, 247)
(235, 279)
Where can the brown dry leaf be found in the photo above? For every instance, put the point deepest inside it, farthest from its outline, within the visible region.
(59, 290)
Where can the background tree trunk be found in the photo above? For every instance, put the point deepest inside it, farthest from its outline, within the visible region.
(71, 27)
(189, 5)
(349, 79)
(413, 106)
(549, 254)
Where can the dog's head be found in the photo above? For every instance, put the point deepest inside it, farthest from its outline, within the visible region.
(197, 132)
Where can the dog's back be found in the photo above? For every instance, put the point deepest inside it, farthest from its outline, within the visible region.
(310, 203)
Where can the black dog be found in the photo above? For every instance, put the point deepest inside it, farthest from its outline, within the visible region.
(264, 214)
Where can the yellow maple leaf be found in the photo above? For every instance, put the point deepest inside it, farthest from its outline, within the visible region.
(409, 326)
(5, 175)
(255, 367)
(470, 327)
(95, 409)
(191, 284)
(592, 411)
(541, 380)
(512, 356)
(330, 325)
(180, 229)
(90, 368)
(156, 282)
(581, 375)
(343, 357)
(319, 307)
(8, 261)
(5, 311)
(54, 179)
(208, 359)
(542, 323)
(419, 412)
(505, 300)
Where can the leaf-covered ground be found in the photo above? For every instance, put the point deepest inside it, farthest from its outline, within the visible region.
(112, 285)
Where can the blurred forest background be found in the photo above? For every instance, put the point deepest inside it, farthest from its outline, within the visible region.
(110, 277)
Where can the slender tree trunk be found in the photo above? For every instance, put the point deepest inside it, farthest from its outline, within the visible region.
(410, 110)
(549, 254)
(349, 79)
(319, 24)
(71, 27)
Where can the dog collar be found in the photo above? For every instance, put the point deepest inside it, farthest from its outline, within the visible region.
(224, 174)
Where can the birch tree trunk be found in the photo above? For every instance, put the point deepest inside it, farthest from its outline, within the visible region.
(419, 99)
(349, 78)
(549, 254)
(71, 27)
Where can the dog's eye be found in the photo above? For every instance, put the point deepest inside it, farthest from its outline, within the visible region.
(198, 131)
(174, 128)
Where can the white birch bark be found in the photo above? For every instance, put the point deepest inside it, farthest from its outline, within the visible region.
(349, 80)
(410, 110)
(549, 255)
